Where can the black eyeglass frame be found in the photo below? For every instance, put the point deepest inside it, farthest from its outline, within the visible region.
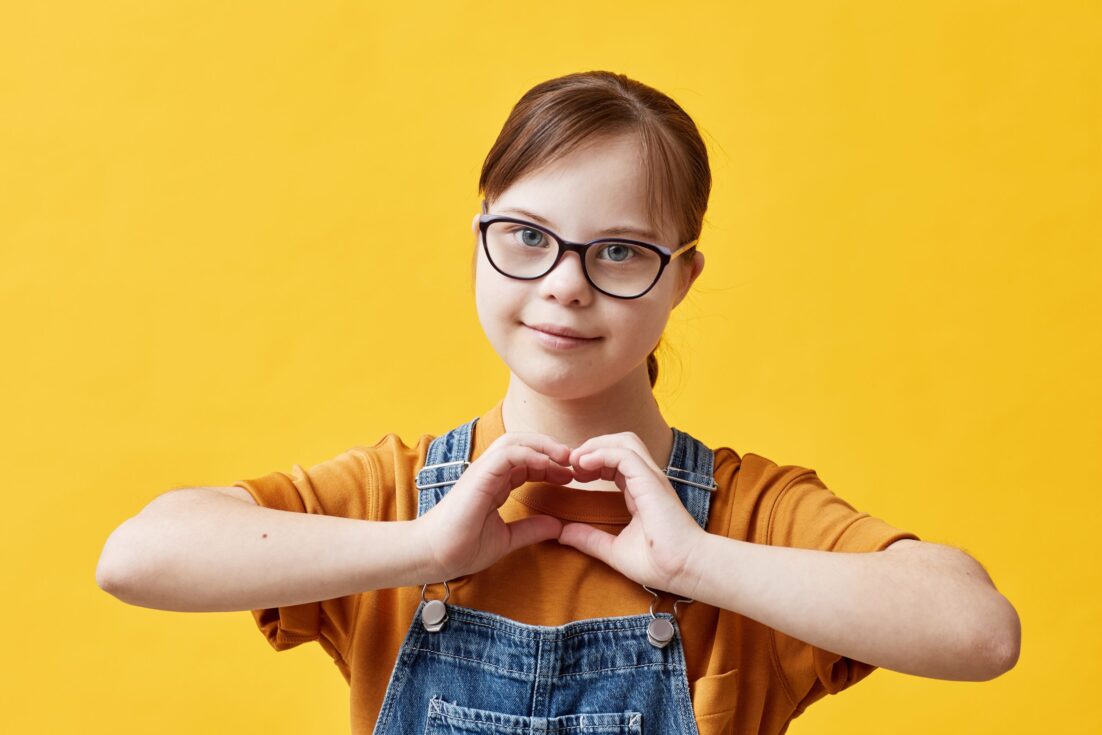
(665, 255)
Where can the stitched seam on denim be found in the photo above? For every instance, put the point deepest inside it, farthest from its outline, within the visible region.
(398, 678)
(525, 635)
(633, 719)
(684, 698)
(657, 665)
(474, 660)
(496, 725)
(433, 709)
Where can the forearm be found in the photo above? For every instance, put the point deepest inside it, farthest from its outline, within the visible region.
(198, 551)
(928, 613)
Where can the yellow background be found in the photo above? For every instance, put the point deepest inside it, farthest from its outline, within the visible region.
(230, 230)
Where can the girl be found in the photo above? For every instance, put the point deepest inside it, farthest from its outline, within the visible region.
(568, 561)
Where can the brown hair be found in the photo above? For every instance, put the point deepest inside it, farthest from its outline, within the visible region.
(558, 115)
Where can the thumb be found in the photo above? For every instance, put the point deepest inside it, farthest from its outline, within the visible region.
(532, 529)
(588, 539)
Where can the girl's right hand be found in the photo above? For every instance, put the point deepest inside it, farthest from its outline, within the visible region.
(463, 533)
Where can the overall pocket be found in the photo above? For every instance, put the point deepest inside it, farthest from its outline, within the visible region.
(448, 718)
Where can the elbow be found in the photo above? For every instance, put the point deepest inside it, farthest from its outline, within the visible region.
(998, 637)
(115, 570)
(132, 552)
(1003, 642)
(108, 578)
(1007, 660)
(1011, 646)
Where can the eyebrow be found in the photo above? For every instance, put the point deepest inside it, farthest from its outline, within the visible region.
(622, 230)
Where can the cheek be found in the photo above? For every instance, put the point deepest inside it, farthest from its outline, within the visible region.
(495, 301)
(639, 330)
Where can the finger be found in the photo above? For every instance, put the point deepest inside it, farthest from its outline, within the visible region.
(602, 473)
(626, 468)
(587, 472)
(554, 449)
(592, 541)
(532, 530)
(508, 467)
(623, 440)
(553, 473)
(514, 464)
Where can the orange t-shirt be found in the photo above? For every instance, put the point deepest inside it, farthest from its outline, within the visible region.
(744, 676)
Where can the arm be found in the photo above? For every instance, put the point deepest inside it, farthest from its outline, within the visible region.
(916, 607)
(201, 550)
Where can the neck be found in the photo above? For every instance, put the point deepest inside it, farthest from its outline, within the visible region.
(627, 406)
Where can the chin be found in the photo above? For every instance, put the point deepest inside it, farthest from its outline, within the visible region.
(566, 382)
(559, 383)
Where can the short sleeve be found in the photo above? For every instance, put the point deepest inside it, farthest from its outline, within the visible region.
(806, 514)
(342, 486)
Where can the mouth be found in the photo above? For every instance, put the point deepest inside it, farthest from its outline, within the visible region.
(558, 331)
(559, 337)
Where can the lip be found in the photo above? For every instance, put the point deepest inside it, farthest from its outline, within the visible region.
(559, 341)
(558, 331)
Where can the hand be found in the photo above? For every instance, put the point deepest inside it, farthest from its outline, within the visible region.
(657, 546)
(463, 533)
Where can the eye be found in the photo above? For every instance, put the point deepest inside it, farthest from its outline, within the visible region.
(618, 252)
(530, 237)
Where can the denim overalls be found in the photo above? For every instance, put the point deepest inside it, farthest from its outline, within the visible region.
(462, 670)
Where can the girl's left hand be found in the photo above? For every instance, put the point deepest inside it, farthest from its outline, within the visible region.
(656, 547)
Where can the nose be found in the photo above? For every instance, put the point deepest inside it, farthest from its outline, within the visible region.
(567, 281)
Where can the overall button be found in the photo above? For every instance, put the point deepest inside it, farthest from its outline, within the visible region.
(434, 615)
(660, 632)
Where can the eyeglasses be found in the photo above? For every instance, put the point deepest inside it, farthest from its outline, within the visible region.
(625, 269)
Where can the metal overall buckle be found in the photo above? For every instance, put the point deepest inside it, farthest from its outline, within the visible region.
(435, 613)
(660, 631)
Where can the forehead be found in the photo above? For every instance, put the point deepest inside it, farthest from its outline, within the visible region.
(597, 187)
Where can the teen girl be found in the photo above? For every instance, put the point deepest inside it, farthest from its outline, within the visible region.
(568, 562)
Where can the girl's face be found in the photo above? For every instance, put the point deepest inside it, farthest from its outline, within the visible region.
(596, 187)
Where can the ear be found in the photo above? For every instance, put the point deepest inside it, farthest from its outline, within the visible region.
(474, 224)
(690, 275)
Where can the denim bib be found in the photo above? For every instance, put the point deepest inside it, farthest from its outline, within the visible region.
(463, 671)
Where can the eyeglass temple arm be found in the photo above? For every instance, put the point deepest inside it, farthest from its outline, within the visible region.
(683, 248)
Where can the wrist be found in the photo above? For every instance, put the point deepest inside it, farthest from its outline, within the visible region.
(687, 583)
(425, 566)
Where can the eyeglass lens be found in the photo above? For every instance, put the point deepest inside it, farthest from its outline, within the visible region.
(620, 268)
